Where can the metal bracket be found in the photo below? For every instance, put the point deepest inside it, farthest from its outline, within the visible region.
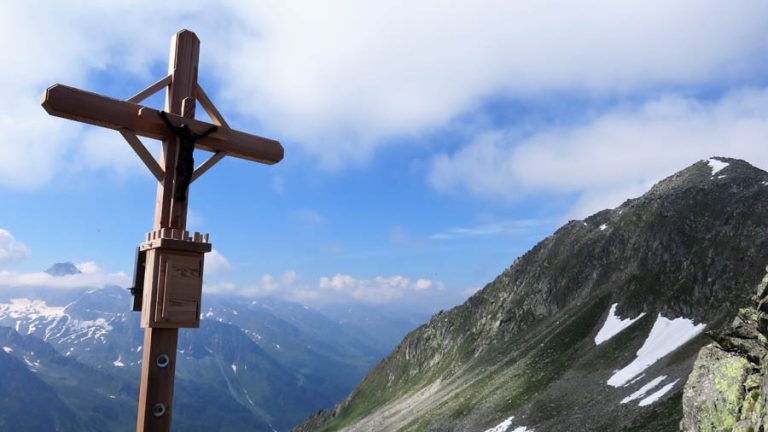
(137, 291)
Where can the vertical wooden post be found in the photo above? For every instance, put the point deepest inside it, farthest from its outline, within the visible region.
(157, 371)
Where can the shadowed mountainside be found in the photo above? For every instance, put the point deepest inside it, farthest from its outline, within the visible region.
(524, 351)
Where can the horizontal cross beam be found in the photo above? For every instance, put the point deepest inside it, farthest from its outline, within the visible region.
(75, 104)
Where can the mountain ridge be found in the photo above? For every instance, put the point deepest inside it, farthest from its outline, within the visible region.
(259, 365)
(692, 247)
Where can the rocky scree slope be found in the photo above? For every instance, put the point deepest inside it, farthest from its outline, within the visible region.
(595, 328)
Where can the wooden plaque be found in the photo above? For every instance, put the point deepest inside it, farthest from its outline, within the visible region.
(173, 286)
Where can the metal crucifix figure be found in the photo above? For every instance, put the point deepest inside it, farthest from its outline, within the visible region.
(172, 259)
(186, 164)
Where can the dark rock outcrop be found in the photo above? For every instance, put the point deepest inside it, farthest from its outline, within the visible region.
(728, 388)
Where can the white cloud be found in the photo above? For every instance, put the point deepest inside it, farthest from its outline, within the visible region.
(68, 43)
(93, 279)
(220, 288)
(88, 267)
(422, 284)
(215, 263)
(341, 77)
(615, 156)
(381, 289)
(12, 251)
(100, 148)
(520, 226)
(338, 288)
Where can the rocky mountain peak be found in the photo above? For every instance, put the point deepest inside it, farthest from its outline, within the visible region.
(63, 269)
(661, 268)
(715, 172)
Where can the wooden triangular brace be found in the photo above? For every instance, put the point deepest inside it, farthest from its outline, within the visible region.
(209, 107)
(149, 91)
(143, 153)
(205, 166)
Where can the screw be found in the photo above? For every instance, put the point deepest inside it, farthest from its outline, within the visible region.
(163, 361)
(158, 410)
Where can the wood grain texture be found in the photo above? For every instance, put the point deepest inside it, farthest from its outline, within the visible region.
(157, 383)
(91, 108)
(157, 341)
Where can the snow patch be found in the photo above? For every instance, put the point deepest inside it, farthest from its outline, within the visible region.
(716, 165)
(52, 322)
(501, 427)
(666, 336)
(31, 309)
(97, 329)
(8, 349)
(119, 362)
(656, 396)
(644, 389)
(33, 365)
(506, 424)
(603, 227)
(614, 325)
(247, 396)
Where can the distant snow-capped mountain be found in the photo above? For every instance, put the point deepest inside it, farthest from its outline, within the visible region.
(63, 269)
(252, 365)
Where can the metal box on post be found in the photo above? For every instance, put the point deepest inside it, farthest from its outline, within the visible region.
(173, 280)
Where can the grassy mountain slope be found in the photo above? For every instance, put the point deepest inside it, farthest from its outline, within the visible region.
(694, 246)
(29, 404)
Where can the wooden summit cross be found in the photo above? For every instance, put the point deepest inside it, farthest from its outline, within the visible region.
(170, 260)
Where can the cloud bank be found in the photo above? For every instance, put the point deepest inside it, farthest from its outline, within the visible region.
(350, 74)
(612, 157)
(215, 263)
(92, 279)
(339, 288)
(341, 79)
(12, 251)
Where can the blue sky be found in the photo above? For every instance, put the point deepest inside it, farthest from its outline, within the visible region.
(427, 145)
